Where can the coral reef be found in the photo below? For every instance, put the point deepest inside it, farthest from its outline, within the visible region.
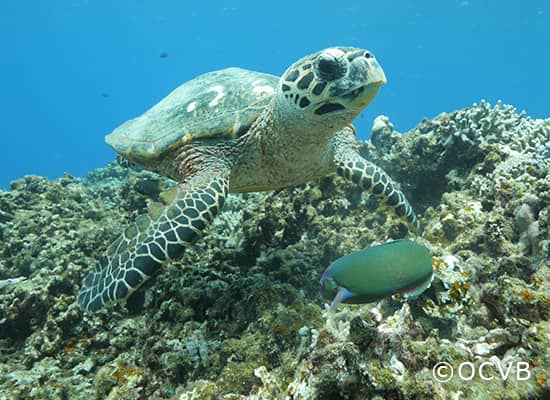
(241, 317)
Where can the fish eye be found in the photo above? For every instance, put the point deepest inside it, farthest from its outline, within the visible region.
(330, 284)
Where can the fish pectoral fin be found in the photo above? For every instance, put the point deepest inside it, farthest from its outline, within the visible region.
(342, 295)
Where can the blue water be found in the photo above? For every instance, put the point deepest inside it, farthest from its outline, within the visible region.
(71, 71)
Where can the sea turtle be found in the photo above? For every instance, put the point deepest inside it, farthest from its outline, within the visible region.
(239, 131)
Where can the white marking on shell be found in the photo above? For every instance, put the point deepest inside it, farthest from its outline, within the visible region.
(219, 90)
(261, 90)
(191, 106)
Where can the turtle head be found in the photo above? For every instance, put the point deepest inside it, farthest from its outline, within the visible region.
(337, 82)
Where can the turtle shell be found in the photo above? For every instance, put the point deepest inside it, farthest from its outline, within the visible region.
(220, 104)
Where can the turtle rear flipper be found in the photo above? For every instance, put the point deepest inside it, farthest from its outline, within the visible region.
(151, 242)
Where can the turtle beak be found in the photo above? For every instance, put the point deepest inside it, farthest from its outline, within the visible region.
(374, 78)
(374, 73)
(369, 75)
(363, 96)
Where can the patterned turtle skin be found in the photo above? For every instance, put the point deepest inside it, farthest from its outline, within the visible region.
(239, 131)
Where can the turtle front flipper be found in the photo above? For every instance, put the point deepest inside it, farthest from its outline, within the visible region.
(370, 177)
(153, 241)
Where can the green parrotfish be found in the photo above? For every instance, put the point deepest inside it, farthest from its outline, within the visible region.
(399, 267)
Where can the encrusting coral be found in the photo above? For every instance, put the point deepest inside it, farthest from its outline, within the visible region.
(240, 316)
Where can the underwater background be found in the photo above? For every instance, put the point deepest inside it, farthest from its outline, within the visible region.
(240, 316)
(74, 70)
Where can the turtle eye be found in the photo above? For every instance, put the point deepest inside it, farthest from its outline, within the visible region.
(330, 67)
